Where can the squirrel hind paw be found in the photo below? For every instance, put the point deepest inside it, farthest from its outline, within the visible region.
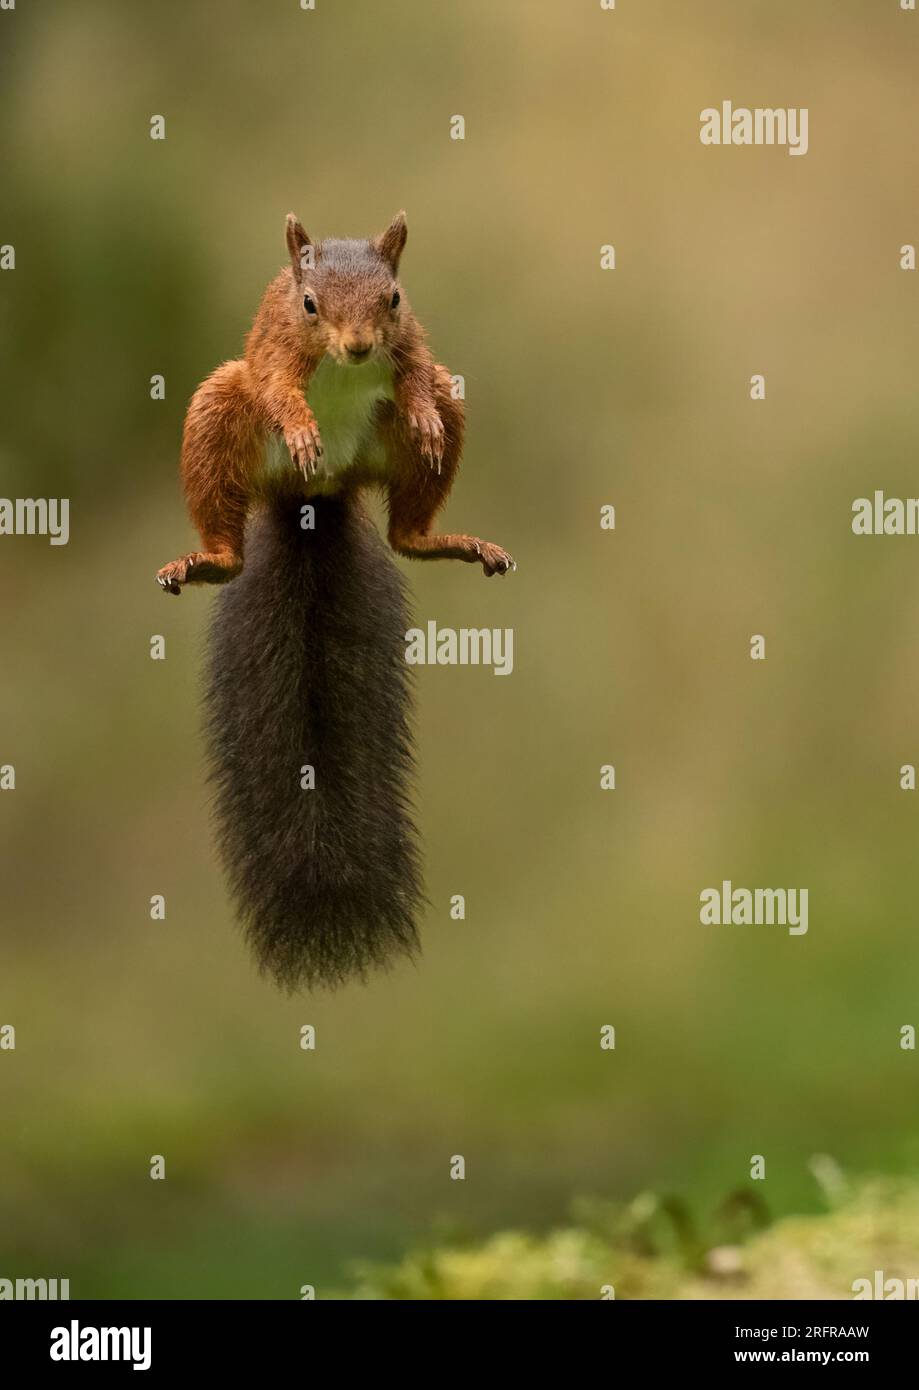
(167, 581)
(200, 567)
(495, 560)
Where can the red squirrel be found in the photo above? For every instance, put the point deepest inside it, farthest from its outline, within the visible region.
(338, 365)
(307, 702)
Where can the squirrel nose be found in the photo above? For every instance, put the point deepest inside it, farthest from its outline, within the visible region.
(358, 348)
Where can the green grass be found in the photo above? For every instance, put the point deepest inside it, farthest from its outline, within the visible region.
(650, 1249)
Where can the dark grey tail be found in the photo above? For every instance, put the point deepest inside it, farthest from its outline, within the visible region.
(306, 667)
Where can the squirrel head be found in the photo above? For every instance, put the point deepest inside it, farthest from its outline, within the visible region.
(346, 293)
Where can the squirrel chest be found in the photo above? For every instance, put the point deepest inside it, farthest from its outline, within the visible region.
(343, 399)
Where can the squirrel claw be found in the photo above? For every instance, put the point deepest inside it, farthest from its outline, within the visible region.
(171, 577)
(429, 434)
(305, 448)
(494, 559)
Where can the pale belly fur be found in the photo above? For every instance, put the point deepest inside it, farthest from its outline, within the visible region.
(343, 399)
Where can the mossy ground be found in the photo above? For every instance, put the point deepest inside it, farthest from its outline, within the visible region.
(875, 1227)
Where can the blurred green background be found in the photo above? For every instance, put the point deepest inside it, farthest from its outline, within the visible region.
(584, 387)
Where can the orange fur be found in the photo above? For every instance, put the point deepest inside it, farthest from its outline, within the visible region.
(232, 414)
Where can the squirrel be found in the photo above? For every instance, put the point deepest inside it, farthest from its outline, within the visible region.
(307, 700)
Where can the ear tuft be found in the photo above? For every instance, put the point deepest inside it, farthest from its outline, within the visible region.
(297, 244)
(392, 242)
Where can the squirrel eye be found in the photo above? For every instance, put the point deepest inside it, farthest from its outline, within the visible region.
(309, 304)
(395, 299)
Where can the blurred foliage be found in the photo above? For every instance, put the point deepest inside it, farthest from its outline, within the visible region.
(584, 387)
(816, 1257)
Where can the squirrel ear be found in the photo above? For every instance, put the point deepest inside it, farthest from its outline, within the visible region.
(390, 245)
(301, 249)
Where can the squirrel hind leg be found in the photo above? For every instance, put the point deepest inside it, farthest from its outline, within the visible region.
(200, 567)
(420, 487)
(494, 559)
(412, 509)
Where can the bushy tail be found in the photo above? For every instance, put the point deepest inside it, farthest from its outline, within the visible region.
(306, 668)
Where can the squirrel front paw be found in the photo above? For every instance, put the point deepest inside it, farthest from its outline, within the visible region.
(305, 446)
(428, 430)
